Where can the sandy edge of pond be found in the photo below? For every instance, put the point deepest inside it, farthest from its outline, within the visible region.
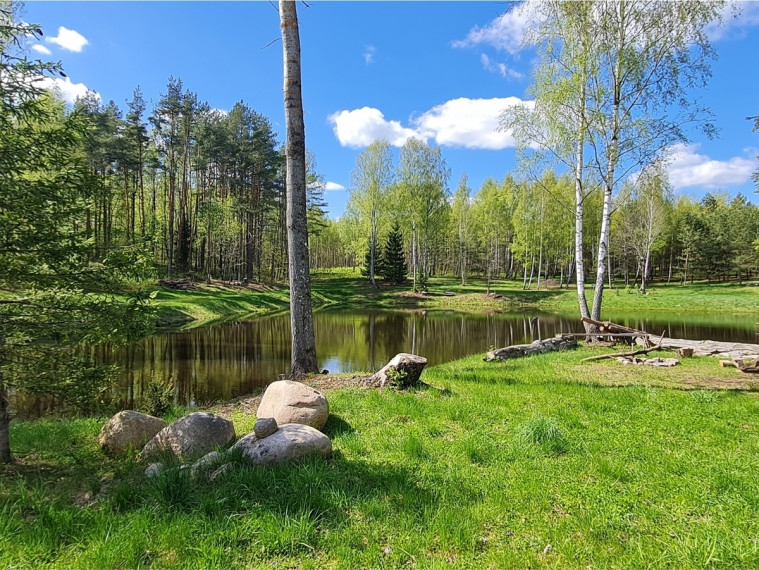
(248, 403)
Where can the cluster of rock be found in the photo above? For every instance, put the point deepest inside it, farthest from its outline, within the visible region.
(289, 419)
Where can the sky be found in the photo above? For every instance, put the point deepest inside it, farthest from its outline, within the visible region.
(441, 71)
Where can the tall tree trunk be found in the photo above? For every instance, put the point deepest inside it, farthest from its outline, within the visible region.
(579, 210)
(603, 241)
(303, 357)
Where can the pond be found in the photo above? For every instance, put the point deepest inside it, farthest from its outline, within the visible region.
(223, 361)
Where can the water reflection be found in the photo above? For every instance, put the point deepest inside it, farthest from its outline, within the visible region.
(228, 360)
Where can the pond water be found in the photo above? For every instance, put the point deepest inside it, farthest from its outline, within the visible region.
(223, 361)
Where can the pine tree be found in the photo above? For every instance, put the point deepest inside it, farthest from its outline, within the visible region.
(394, 264)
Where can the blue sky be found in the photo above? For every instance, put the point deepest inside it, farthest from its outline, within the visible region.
(440, 70)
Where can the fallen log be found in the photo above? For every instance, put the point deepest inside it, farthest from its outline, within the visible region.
(623, 354)
(559, 342)
(178, 284)
(724, 350)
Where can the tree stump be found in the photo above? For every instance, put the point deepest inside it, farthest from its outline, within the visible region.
(402, 371)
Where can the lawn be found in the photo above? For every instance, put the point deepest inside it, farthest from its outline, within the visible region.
(538, 462)
(344, 287)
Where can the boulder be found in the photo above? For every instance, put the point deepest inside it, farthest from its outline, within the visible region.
(129, 429)
(264, 427)
(191, 437)
(154, 470)
(291, 402)
(290, 441)
(204, 462)
(402, 371)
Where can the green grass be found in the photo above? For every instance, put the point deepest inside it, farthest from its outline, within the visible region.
(346, 288)
(486, 467)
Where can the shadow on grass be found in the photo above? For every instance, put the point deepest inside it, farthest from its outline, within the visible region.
(337, 426)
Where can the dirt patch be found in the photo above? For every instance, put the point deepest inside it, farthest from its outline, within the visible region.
(492, 296)
(412, 295)
(615, 374)
(249, 402)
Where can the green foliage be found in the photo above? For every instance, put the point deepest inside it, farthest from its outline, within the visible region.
(55, 300)
(158, 396)
(394, 267)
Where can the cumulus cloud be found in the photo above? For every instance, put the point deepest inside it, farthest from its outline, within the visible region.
(500, 68)
(462, 122)
(64, 87)
(361, 127)
(70, 40)
(39, 48)
(688, 168)
(330, 186)
(369, 54)
(505, 33)
(737, 18)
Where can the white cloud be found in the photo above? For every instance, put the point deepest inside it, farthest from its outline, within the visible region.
(737, 17)
(369, 54)
(39, 48)
(468, 123)
(462, 122)
(70, 40)
(361, 127)
(500, 68)
(327, 186)
(64, 87)
(688, 168)
(505, 33)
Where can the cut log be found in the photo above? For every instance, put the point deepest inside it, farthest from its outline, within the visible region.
(559, 342)
(684, 352)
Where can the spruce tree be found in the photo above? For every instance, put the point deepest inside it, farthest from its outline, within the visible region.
(394, 263)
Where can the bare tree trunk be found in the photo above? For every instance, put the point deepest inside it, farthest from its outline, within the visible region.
(303, 357)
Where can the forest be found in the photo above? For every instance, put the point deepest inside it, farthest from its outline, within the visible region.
(202, 192)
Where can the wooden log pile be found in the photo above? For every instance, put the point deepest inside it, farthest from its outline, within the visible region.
(559, 342)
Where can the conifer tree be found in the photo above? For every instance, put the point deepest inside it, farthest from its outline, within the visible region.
(394, 263)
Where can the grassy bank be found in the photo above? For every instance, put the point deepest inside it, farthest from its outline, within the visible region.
(343, 287)
(536, 462)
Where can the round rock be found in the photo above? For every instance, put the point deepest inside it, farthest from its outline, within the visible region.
(290, 441)
(264, 427)
(129, 429)
(291, 402)
(191, 437)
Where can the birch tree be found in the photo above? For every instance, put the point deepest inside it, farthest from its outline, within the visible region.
(370, 183)
(612, 93)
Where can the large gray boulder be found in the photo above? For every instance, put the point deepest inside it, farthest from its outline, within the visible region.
(403, 370)
(129, 429)
(290, 441)
(191, 437)
(291, 402)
